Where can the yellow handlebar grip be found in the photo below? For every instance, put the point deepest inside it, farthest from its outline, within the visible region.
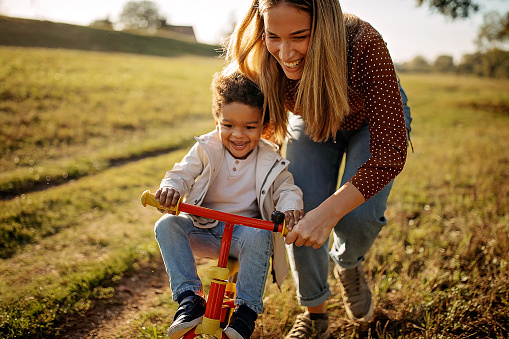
(285, 230)
(148, 198)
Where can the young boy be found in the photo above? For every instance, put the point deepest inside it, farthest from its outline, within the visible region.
(233, 170)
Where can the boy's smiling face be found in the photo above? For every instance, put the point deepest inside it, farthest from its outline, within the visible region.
(240, 128)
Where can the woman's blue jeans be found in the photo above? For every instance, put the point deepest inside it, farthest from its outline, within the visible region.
(315, 167)
(179, 239)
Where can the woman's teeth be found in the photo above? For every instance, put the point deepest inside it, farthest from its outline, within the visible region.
(292, 64)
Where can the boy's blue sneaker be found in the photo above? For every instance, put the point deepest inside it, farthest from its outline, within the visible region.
(189, 314)
(242, 323)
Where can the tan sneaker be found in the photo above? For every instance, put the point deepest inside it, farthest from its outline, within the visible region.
(356, 293)
(305, 328)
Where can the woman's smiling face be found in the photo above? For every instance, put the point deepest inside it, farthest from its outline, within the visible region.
(287, 35)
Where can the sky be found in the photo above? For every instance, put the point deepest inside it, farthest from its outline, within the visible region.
(409, 30)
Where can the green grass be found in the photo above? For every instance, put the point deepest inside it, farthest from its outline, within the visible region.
(47, 34)
(67, 114)
(102, 231)
(441, 265)
(439, 268)
(100, 111)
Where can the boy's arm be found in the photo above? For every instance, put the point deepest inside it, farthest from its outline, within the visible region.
(287, 196)
(183, 174)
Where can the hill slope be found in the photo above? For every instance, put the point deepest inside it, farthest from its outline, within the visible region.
(35, 33)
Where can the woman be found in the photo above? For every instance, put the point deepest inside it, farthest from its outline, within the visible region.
(335, 74)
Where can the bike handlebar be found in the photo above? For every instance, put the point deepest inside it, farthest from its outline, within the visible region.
(148, 198)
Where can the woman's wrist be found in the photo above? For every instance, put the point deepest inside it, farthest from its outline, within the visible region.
(344, 200)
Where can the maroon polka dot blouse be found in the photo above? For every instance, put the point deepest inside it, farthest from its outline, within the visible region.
(374, 98)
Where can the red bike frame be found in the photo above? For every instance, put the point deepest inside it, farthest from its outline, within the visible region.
(211, 321)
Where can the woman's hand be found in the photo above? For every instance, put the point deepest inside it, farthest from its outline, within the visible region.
(312, 230)
(168, 197)
(315, 227)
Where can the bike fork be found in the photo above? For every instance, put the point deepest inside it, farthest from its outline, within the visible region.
(219, 274)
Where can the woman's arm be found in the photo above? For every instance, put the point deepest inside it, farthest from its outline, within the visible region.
(316, 226)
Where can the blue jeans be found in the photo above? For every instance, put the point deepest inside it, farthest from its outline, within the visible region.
(179, 239)
(315, 167)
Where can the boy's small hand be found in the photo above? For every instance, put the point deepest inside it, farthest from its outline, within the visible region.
(292, 217)
(168, 198)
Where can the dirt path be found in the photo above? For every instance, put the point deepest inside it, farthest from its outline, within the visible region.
(136, 293)
(31, 187)
(106, 318)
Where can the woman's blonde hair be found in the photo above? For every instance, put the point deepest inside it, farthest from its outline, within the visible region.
(322, 97)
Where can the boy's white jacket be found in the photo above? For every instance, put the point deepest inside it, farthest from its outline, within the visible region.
(274, 184)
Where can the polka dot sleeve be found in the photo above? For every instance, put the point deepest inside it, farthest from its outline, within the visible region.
(375, 98)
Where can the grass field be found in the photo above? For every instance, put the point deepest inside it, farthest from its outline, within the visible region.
(82, 134)
(47, 34)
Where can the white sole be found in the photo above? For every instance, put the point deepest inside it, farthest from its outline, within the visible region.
(231, 333)
(179, 330)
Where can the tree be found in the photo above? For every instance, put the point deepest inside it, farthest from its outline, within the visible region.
(494, 63)
(453, 8)
(469, 63)
(494, 31)
(141, 16)
(444, 63)
(417, 64)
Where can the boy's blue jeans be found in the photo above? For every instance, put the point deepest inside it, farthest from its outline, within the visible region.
(178, 239)
(315, 168)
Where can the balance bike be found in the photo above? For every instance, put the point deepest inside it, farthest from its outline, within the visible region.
(220, 301)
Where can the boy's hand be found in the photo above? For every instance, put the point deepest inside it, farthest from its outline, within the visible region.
(292, 217)
(168, 198)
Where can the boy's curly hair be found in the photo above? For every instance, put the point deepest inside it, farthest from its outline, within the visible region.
(234, 87)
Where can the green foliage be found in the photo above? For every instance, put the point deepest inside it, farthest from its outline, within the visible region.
(492, 63)
(140, 15)
(444, 64)
(494, 31)
(453, 8)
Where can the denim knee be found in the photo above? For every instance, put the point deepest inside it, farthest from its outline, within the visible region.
(167, 223)
(160, 225)
(163, 225)
(260, 238)
(355, 233)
